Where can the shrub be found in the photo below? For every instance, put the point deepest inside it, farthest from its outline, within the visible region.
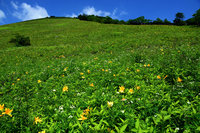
(20, 40)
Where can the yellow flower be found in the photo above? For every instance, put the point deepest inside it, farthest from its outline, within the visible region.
(65, 68)
(86, 111)
(92, 85)
(109, 61)
(127, 69)
(161, 50)
(88, 71)
(158, 77)
(8, 112)
(18, 79)
(26, 72)
(63, 75)
(1, 107)
(121, 89)
(131, 91)
(114, 75)
(148, 65)
(83, 77)
(137, 70)
(65, 88)
(145, 65)
(179, 79)
(102, 69)
(137, 87)
(110, 104)
(13, 83)
(37, 119)
(106, 70)
(39, 81)
(82, 118)
(48, 66)
(42, 132)
(81, 73)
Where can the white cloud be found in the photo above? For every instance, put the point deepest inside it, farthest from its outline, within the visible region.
(93, 11)
(72, 16)
(122, 13)
(115, 14)
(2, 15)
(27, 12)
(14, 5)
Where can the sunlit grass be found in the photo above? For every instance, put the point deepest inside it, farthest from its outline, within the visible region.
(82, 76)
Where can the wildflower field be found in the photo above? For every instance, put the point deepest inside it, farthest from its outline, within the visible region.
(80, 76)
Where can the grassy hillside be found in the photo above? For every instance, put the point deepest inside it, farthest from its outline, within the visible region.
(80, 76)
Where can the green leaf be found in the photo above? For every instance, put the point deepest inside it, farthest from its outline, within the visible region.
(105, 122)
(117, 129)
(134, 130)
(122, 120)
(123, 128)
(167, 117)
(151, 129)
(194, 111)
(137, 124)
(198, 129)
(144, 131)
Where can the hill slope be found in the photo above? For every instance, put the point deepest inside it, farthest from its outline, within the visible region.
(80, 76)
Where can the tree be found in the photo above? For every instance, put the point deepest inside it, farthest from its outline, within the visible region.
(138, 21)
(167, 22)
(197, 17)
(107, 20)
(158, 21)
(82, 17)
(191, 21)
(122, 22)
(179, 19)
(180, 16)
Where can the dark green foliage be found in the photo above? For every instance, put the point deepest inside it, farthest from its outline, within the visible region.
(180, 16)
(197, 17)
(107, 20)
(20, 40)
(191, 21)
(179, 19)
(179, 22)
(166, 22)
(158, 21)
(139, 21)
(122, 22)
(52, 16)
(82, 17)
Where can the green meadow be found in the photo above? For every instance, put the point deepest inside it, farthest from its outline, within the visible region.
(80, 76)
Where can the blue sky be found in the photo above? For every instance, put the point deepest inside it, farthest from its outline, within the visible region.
(12, 11)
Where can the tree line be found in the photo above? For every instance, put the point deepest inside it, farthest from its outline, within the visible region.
(179, 20)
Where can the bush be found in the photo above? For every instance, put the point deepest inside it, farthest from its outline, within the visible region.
(20, 40)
